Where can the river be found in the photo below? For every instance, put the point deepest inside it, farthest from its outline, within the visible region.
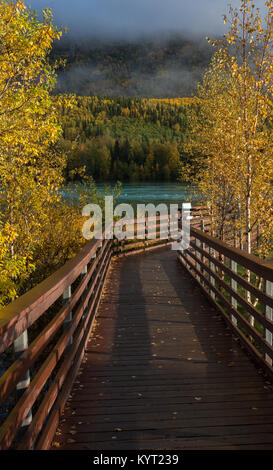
(155, 193)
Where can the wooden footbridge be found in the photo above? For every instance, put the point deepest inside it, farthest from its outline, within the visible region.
(158, 350)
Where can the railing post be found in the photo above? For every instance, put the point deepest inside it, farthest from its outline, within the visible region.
(269, 316)
(66, 298)
(83, 274)
(233, 283)
(234, 286)
(84, 271)
(198, 255)
(146, 242)
(212, 268)
(203, 245)
(100, 247)
(20, 345)
(120, 245)
(94, 256)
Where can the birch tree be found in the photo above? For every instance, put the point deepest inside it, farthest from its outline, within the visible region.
(232, 129)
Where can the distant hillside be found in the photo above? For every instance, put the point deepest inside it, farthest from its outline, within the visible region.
(156, 68)
(126, 139)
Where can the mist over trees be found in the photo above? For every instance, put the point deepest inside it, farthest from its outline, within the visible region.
(159, 67)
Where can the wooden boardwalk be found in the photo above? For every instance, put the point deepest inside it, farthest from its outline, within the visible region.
(162, 370)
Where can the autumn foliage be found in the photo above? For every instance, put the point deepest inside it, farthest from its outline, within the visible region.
(232, 131)
(31, 167)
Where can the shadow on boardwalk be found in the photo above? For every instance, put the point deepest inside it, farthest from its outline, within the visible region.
(162, 371)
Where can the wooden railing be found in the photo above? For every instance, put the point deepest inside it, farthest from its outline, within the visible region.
(62, 310)
(200, 218)
(240, 286)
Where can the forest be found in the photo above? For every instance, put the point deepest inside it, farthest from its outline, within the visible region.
(126, 139)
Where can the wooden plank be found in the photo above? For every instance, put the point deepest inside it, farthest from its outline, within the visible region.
(231, 432)
(249, 406)
(261, 441)
(173, 421)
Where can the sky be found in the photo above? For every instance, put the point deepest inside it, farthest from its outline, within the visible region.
(131, 18)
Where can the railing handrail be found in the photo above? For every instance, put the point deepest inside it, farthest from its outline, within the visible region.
(261, 266)
(23, 311)
(229, 277)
